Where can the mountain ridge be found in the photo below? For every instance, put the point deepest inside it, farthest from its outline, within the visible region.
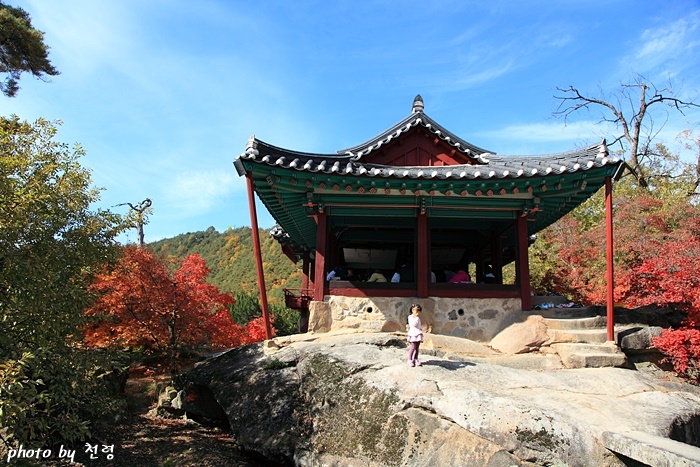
(230, 256)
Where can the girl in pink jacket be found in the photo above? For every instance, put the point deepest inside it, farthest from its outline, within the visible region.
(415, 335)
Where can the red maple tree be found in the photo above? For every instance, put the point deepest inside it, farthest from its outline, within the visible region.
(141, 303)
(657, 262)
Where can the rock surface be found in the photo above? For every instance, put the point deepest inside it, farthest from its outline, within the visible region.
(522, 337)
(638, 339)
(351, 399)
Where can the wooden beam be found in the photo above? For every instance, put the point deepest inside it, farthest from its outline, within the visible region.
(609, 259)
(312, 273)
(258, 255)
(332, 251)
(305, 271)
(320, 266)
(523, 265)
(384, 289)
(287, 250)
(497, 257)
(423, 267)
(479, 264)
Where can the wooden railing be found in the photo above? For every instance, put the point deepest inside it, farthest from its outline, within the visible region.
(403, 289)
(298, 299)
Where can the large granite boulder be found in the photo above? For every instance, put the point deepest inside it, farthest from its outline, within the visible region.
(639, 339)
(522, 337)
(351, 399)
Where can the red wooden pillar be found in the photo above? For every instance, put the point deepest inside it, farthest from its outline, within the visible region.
(305, 272)
(423, 265)
(523, 264)
(258, 255)
(320, 266)
(609, 258)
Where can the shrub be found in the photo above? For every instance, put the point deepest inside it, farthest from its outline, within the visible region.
(48, 396)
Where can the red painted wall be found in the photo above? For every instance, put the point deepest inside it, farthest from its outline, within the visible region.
(418, 147)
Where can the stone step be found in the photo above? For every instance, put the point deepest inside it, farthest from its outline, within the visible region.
(651, 449)
(577, 355)
(564, 313)
(596, 336)
(576, 323)
(586, 348)
(592, 360)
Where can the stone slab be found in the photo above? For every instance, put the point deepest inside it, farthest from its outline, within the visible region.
(652, 450)
(599, 336)
(576, 323)
(582, 355)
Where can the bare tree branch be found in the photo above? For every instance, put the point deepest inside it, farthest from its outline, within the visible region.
(141, 211)
(628, 108)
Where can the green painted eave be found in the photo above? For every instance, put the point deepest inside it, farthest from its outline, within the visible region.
(294, 197)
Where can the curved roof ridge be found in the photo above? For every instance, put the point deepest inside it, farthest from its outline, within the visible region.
(599, 149)
(413, 120)
(255, 144)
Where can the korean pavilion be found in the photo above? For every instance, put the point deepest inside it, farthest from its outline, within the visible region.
(419, 200)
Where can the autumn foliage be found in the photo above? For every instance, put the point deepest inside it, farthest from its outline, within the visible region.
(142, 303)
(657, 262)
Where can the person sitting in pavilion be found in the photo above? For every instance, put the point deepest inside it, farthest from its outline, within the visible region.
(461, 277)
(340, 272)
(489, 277)
(406, 272)
(377, 276)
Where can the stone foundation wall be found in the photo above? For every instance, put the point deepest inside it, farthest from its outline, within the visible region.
(478, 319)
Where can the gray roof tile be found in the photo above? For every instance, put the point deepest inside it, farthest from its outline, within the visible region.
(495, 167)
(486, 164)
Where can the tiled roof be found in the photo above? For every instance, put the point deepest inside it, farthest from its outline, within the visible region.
(417, 118)
(490, 185)
(496, 167)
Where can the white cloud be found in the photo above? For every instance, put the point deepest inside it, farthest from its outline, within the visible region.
(555, 136)
(554, 36)
(195, 193)
(668, 48)
(671, 40)
(83, 35)
(484, 75)
(551, 132)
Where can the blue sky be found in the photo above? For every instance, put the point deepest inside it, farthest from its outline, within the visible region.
(163, 95)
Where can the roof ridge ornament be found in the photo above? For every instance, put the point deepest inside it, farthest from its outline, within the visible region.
(483, 157)
(251, 148)
(354, 157)
(252, 144)
(418, 105)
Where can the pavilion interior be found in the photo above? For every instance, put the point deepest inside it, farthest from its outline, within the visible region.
(368, 244)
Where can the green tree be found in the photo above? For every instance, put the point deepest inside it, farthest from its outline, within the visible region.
(284, 320)
(247, 308)
(22, 49)
(51, 243)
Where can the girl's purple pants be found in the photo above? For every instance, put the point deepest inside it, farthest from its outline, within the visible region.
(413, 351)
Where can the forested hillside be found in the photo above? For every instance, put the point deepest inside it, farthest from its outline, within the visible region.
(229, 255)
